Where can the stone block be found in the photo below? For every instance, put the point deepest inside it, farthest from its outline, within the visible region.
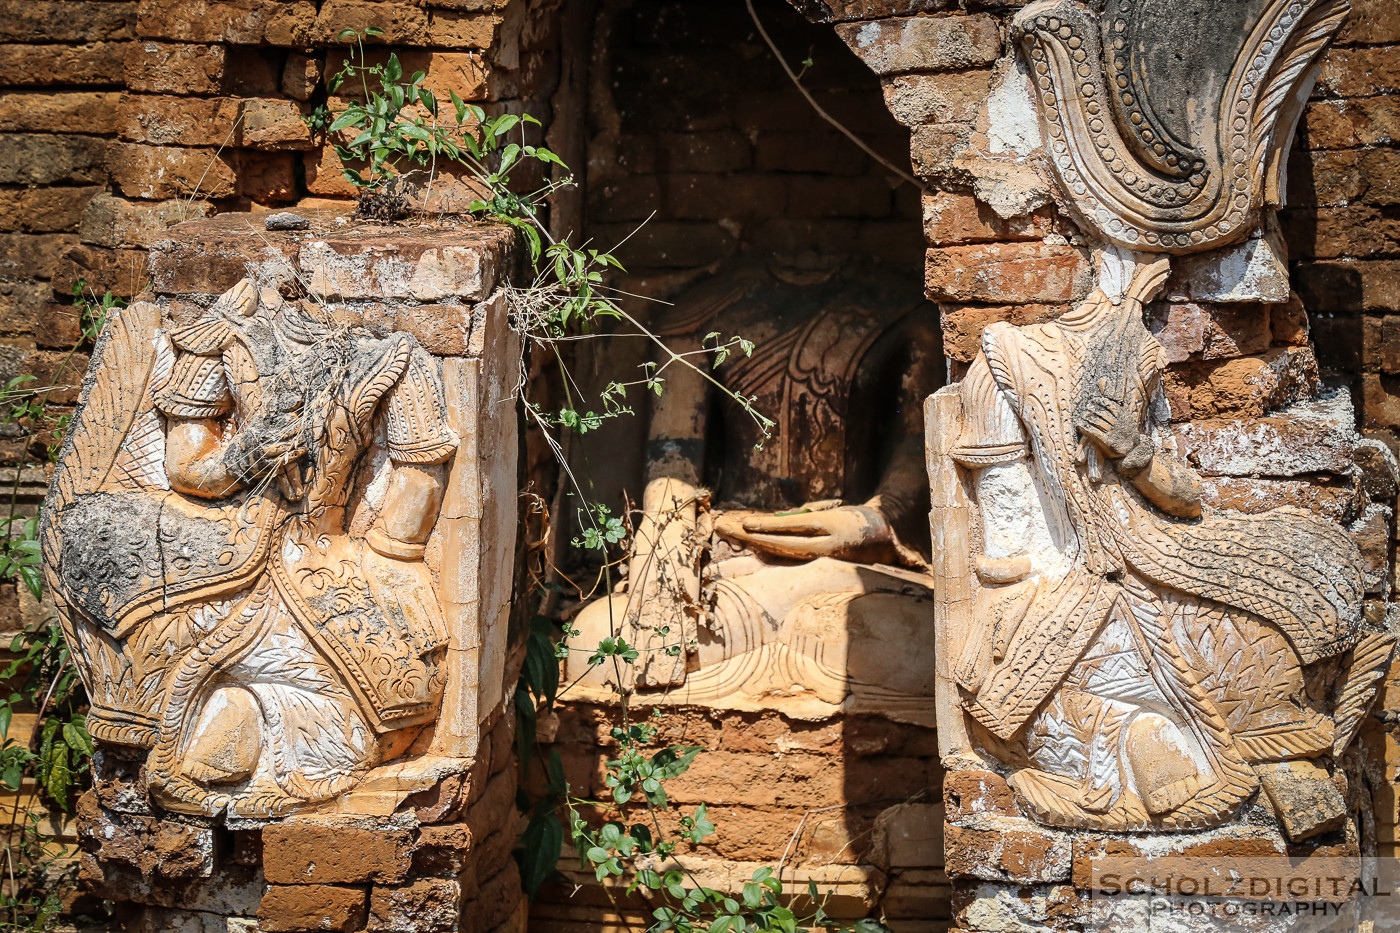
(836, 11)
(1331, 501)
(331, 851)
(275, 124)
(402, 24)
(47, 159)
(175, 68)
(267, 177)
(57, 21)
(1345, 124)
(1308, 437)
(463, 29)
(72, 65)
(955, 219)
(971, 794)
(1007, 272)
(1252, 271)
(44, 210)
(160, 172)
(428, 905)
(963, 324)
(1009, 849)
(1360, 72)
(909, 836)
(1210, 331)
(1372, 22)
(178, 121)
(33, 255)
(1305, 798)
(923, 99)
(442, 850)
(92, 112)
(120, 271)
(122, 224)
(297, 908)
(1250, 386)
(924, 43)
(1350, 285)
(233, 22)
(300, 75)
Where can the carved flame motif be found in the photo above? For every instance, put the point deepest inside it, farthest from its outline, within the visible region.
(1168, 124)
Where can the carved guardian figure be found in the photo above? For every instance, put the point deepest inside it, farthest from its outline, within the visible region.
(1133, 659)
(236, 541)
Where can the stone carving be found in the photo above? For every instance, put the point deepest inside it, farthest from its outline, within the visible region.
(237, 537)
(1137, 661)
(1135, 657)
(791, 572)
(1167, 122)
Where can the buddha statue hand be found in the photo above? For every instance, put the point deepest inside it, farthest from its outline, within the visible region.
(824, 529)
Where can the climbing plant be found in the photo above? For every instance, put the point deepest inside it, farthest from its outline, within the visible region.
(398, 127)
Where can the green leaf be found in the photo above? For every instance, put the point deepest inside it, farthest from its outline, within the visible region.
(674, 761)
(373, 31)
(505, 124)
(344, 34)
(350, 117)
(541, 845)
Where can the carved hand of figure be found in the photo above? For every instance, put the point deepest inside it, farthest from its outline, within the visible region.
(848, 532)
(1113, 428)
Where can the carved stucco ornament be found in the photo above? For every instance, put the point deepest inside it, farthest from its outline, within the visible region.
(1168, 122)
(238, 540)
(1133, 659)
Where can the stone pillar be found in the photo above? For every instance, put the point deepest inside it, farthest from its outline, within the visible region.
(282, 538)
(1146, 649)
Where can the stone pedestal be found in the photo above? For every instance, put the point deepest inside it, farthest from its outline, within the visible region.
(320, 738)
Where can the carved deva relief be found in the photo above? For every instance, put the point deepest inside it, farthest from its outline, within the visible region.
(240, 538)
(1133, 659)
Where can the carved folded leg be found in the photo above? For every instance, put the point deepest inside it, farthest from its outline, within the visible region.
(227, 739)
(1163, 767)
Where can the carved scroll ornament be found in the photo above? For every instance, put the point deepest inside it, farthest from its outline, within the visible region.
(236, 538)
(1168, 121)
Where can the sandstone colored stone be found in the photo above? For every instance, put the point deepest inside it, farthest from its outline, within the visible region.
(298, 908)
(952, 97)
(1256, 496)
(118, 223)
(1203, 330)
(179, 121)
(44, 159)
(458, 29)
(1007, 272)
(1359, 231)
(1250, 386)
(300, 75)
(402, 24)
(1307, 801)
(1014, 850)
(275, 124)
(1372, 22)
(1344, 124)
(443, 850)
(44, 210)
(1360, 72)
(267, 177)
(924, 43)
(909, 835)
(172, 68)
(88, 64)
(92, 112)
(310, 851)
(963, 324)
(159, 172)
(1350, 285)
(430, 905)
(234, 22)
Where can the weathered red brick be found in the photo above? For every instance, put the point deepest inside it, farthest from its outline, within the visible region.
(59, 21)
(275, 124)
(920, 99)
(236, 22)
(1017, 851)
(1344, 124)
(1360, 72)
(952, 219)
(178, 121)
(44, 210)
(331, 851)
(159, 172)
(93, 63)
(429, 905)
(297, 908)
(1007, 272)
(169, 68)
(91, 112)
